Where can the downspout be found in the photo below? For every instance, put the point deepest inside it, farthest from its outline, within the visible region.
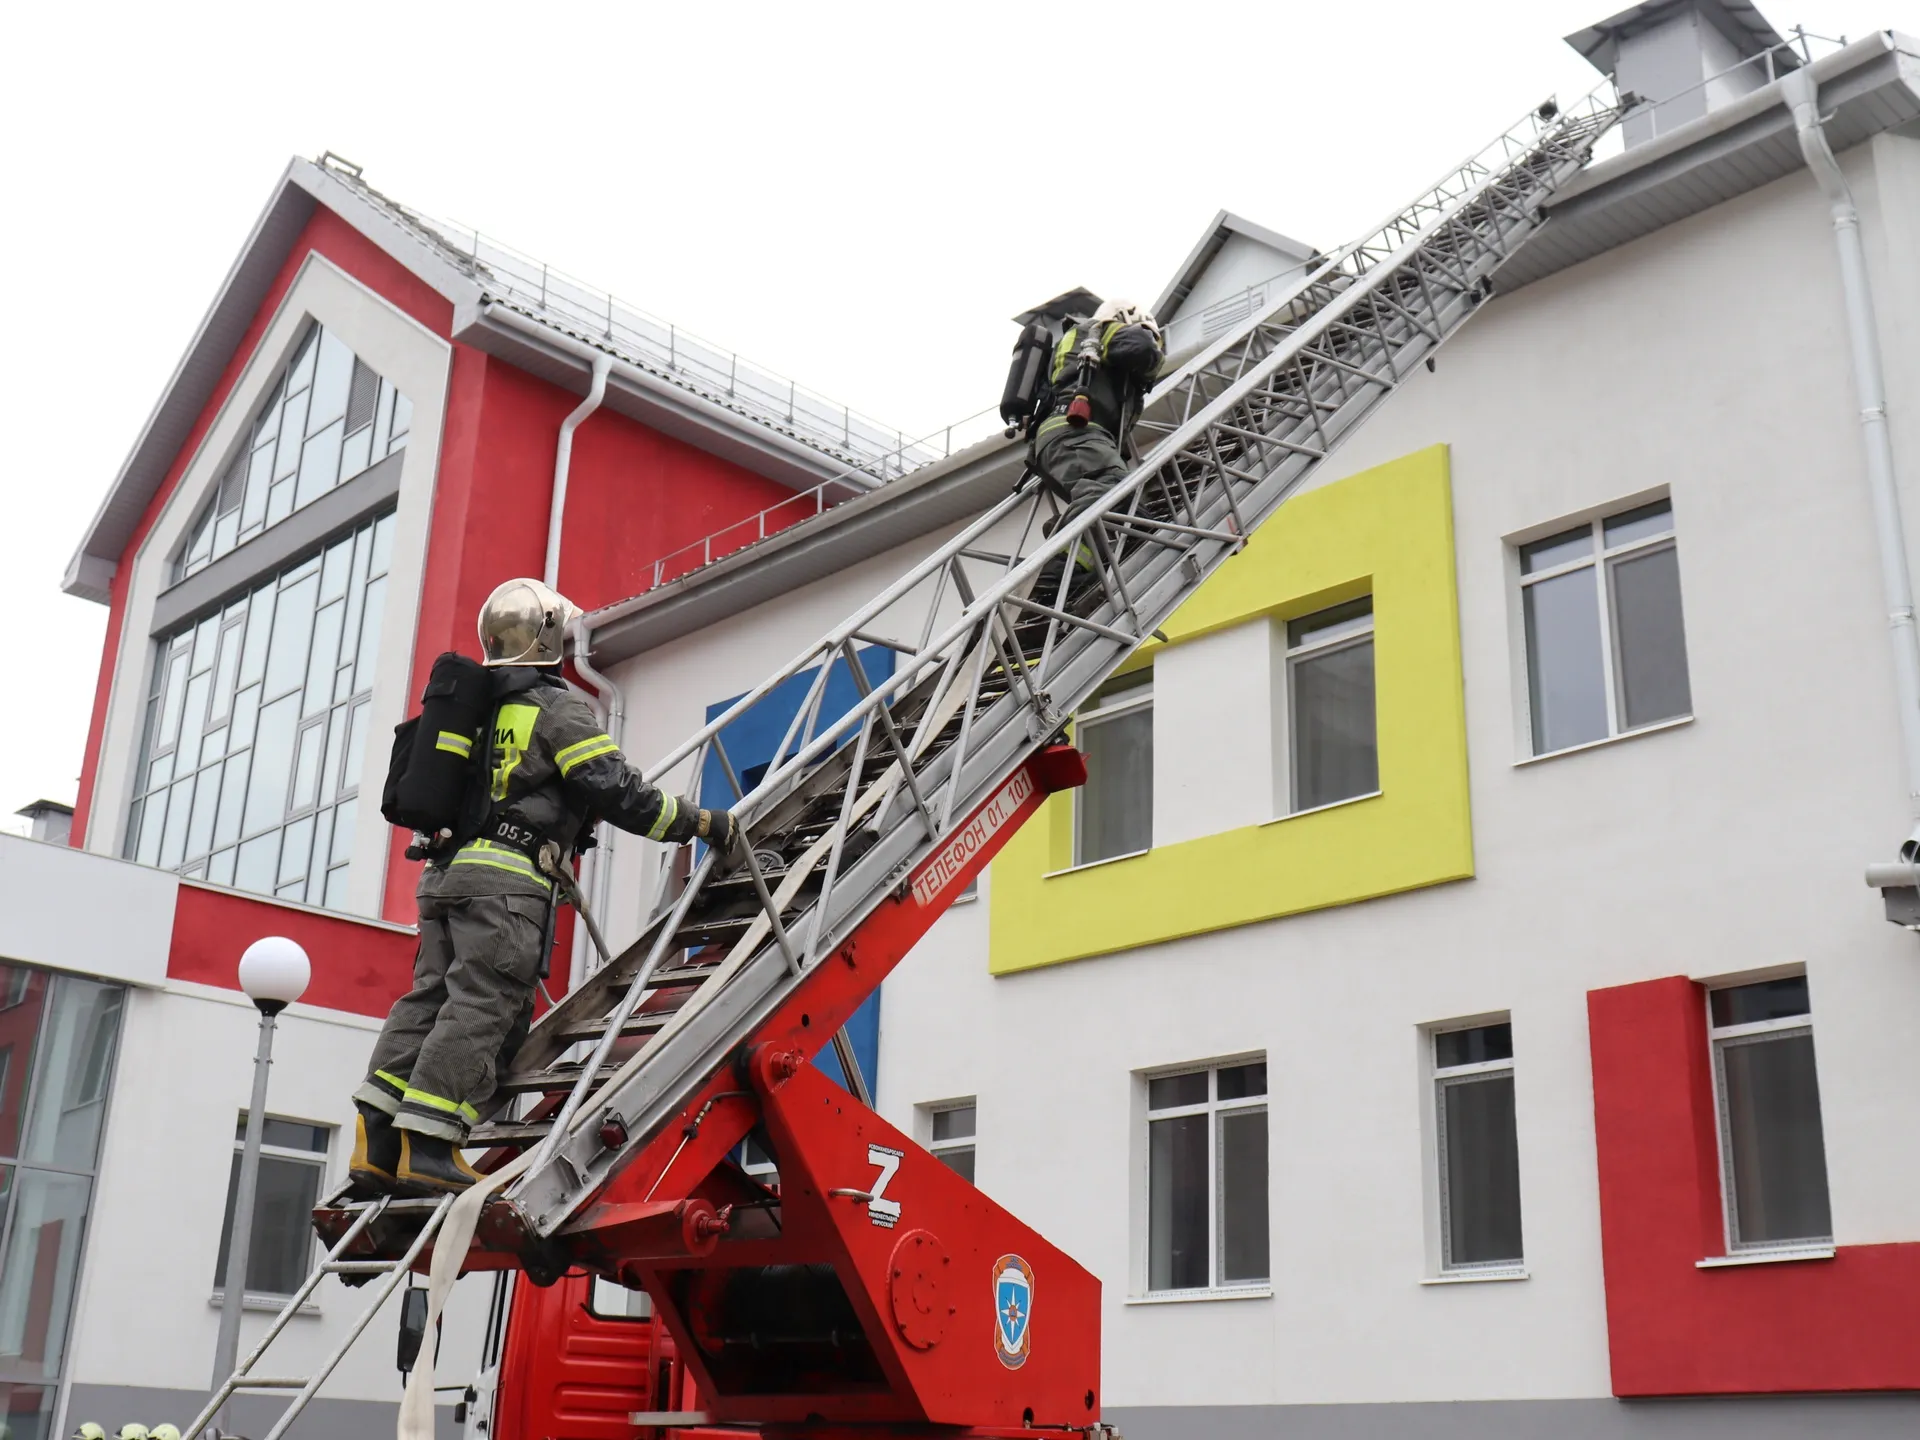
(563, 461)
(1876, 443)
(609, 697)
(600, 882)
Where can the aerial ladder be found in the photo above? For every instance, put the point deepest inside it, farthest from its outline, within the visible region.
(873, 1287)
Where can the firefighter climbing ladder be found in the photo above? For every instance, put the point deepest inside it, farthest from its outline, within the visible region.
(1008, 643)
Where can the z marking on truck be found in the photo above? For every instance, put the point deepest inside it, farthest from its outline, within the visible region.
(881, 1211)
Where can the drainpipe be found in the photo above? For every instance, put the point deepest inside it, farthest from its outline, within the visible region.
(1876, 444)
(600, 883)
(563, 461)
(556, 518)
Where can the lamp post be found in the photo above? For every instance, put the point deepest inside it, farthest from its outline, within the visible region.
(274, 972)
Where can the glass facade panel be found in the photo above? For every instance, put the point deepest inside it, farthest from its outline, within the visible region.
(1650, 638)
(1774, 1143)
(1335, 751)
(1566, 682)
(296, 658)
(325, 420)
(1479, 1171)
(58, 1037)
(1177, 1203)
(1114, 809)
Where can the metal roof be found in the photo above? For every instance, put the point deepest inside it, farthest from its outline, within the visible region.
(1869, 86)
(523, 312)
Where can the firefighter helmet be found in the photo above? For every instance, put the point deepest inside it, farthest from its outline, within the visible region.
(1124, 312)
(524, 622)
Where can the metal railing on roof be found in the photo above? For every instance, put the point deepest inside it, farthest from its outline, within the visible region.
(802, 505)
(1765, 66)
(866, 446)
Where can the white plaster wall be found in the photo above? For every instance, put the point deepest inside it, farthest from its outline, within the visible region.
(185, 1072)
(51, 912)
(1708, 360)
(418, 362)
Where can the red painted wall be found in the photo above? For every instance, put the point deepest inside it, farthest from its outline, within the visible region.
(356, 966)
(1850, 1323)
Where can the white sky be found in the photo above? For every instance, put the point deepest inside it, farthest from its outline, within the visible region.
(856, 195)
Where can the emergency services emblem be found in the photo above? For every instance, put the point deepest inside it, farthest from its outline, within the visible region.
(1012, 1310)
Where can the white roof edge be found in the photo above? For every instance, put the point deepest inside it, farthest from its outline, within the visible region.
(1224, 223)
(303, 183)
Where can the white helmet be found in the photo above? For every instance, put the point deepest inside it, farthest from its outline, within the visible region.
(1124, 312)
(164, 1432)
(89, 1431)
(524, 622)
(132, 1431)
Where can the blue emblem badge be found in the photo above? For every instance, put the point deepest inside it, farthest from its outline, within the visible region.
(1012, 1310)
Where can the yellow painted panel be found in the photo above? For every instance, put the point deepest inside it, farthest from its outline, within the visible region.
(1388, 530)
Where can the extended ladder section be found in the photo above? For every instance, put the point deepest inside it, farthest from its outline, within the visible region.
(854, 804)
(866, 824)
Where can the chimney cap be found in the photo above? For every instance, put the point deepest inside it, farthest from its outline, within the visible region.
(1739, 20)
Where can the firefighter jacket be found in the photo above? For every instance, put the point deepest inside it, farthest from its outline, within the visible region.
(1129, 357)
(550, 770)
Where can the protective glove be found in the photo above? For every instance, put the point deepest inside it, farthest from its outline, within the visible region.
(717, 828)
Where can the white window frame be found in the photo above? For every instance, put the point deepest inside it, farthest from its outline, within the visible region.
(1721, 1038)
(318, 1160)
(1599, 555)
(1441, 1078)
(1214, 1108)
(1287, 757)
(955, 1144)
(1127, 702)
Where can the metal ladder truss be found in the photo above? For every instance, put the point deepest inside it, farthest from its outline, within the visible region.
(850, 804)
(1008, 644)
(387, 1273)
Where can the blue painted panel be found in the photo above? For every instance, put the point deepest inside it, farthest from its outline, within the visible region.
(750, 740)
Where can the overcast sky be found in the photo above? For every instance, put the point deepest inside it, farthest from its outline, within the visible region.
(858, 196)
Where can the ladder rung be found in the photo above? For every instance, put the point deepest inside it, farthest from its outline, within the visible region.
(645, 1024)
(272, 1382)
(680, 975)
(525, 1133)
(560, 1077)
(359, 1267)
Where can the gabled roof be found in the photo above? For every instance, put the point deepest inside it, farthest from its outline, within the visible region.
(523, 312)
(1225, 225)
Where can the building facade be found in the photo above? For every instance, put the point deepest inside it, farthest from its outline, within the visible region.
(1452, 1006)
(373, 427)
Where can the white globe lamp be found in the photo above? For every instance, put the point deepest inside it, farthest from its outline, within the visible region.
(274, 972)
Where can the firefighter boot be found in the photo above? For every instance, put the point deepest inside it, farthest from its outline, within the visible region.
(376, 1154)
(432, 1166)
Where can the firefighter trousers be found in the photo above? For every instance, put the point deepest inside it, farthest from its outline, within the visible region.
(471, 1004)
(1081, 464)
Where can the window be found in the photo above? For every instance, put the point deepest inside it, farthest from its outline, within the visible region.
(256, 727)
(1772, 1152)
(952, 1144)
(58, 1036)
(1333, 754)
(1606, 649)
(1207, 1178)
(293, 1160)
(757, 1162)
(1477, 1149)
(608, 1301)
(1113, 812)
(327, 418)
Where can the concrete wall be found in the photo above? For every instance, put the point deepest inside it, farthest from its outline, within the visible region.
(1708, 362)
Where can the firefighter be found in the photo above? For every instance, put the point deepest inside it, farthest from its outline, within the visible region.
(549, 769)
(1100, 374)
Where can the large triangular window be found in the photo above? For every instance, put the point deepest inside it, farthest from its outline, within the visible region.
(327, 418)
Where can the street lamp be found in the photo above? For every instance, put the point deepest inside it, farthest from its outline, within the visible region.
(274, 972)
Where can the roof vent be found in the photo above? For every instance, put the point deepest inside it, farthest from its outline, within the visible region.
(1685, 57)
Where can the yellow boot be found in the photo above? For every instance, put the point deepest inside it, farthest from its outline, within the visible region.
(432, 1166)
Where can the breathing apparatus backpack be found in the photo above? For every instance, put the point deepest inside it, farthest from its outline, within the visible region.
(1027, 389)
(432, 785)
